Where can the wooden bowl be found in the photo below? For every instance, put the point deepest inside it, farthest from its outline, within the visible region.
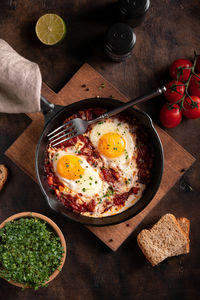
(56, 229)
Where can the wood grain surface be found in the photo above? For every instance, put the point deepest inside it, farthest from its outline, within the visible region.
(170, 30)
(22, 151)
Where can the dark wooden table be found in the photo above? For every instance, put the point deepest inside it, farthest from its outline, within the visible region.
(171, 30)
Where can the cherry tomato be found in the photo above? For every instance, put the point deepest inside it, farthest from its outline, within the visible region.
(174, 91)
(194, 85)
(178, 68)
(191, 111)
(170, 117)
(198, 65)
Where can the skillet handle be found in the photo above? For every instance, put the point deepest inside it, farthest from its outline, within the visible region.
(49, 109)
(138, 100)
(46, 106)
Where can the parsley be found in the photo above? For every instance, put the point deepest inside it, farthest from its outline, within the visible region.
(101, 122)
(98, 133)
(109, 192)
(78, 151)
(81, 176)
(119, 124)
(95, 182)
(84, 189)
(30, 252)
(102, 86)
(127, 181)
(90, 178)
(126, 157)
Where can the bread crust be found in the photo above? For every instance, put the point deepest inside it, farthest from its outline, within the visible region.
(3, 175)
(185, 226)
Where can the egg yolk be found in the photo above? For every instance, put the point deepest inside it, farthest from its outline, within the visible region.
(68, 166)
(111, 145)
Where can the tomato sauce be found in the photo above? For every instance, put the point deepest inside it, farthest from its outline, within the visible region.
(144, 163)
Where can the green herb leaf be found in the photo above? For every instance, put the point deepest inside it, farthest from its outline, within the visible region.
(30, 251)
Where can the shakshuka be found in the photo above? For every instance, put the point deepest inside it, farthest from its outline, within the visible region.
(104, 171)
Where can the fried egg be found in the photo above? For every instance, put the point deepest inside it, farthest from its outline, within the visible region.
(113, 141)
(116, 145)
(77, 174)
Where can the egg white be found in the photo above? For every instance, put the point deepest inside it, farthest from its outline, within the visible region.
(125, 164)
(122, 128)
(89, 184)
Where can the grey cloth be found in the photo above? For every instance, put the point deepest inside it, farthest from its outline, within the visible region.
(20, 82)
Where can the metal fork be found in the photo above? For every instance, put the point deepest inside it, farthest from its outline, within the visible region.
(78, 126)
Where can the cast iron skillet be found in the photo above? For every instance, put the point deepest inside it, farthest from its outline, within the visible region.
(54, 116)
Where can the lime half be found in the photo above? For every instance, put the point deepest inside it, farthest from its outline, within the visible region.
(50, 29)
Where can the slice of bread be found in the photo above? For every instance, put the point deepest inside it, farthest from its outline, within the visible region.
(185, 226)
(3, 176)
(162, 240)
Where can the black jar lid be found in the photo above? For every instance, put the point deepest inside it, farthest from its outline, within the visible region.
(134, 8)
(120, 38)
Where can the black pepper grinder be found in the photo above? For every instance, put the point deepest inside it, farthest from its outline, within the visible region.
(133, 11)
(119, 41)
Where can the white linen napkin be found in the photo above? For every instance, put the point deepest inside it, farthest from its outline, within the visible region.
(20, 82)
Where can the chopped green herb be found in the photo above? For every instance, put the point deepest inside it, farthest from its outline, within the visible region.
(100, 200)
(119, 124)
(90, 178)
(101, 122)
(90, 183)
(95, 182)
(127, 181)
(30, 252)
(84, 189)
(102, 86)
(81, 176)
(67, 165)
(109, 192)
(98, 133)
(78, 151)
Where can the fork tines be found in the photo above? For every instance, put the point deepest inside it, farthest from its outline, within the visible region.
(57, 135)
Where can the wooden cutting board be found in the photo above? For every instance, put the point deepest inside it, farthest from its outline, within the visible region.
(86, 83)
